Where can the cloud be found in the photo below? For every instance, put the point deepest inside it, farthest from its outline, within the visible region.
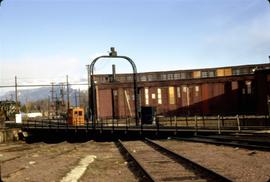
(243, 40)
(40, 70)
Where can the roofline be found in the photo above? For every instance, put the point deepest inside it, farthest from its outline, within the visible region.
(188, 70)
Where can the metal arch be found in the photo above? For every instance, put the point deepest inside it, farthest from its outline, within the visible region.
(93, 100)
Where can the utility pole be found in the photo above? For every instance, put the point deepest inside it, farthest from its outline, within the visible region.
(68, 104)
(62, 94)
(16, 94)
(48, 106)
(52, 98)
(75, 97)
(79, 98)
(89, 94)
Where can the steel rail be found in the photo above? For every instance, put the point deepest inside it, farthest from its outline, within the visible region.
(178, 158)
(242, 140)
(136, 161)
(240, 145)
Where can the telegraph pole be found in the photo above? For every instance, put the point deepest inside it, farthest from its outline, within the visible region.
(16, 94)
(68, 104)
(53, 106)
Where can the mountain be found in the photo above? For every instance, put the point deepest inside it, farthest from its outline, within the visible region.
(32, 95)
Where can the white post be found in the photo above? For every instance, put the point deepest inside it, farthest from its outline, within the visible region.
(238, 123)
(219, 132)
(196, 126)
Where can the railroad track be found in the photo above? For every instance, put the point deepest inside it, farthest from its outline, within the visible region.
(157, 163)
(240, 143)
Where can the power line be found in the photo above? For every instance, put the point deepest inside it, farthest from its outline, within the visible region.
(41, 85)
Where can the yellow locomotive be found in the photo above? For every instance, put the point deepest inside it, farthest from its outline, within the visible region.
(76, 116)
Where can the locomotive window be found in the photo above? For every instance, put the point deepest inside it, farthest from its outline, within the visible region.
(80, 113)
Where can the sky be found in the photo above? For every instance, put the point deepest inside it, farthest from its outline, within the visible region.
(41, 41)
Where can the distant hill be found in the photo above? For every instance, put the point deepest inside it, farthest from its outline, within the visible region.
(31, 95)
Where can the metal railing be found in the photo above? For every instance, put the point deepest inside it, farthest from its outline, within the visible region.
(217, 123)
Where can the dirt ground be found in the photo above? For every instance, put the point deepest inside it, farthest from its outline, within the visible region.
(102, 161)
(53, 162)
(241, 165)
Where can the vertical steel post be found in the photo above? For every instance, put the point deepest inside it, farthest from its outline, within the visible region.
(89, 96)
(113, 54)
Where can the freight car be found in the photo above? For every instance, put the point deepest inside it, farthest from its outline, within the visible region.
(226, 90)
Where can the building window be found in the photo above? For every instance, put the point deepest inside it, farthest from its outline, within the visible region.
(129, 78)
(146, 95)
(244, 71)
(204, 74)
(189, 75)
(177, 76)
(183, 75)
(234, 85)
(220, 72)
(184, 89)
(150, 77)
(228, 72)
(178, 90)
(196, 74)
(143, 78)
(236, 72)
(171, 95)
(159, 96)
(211, 74)
(248, 84)
(197, 89)
(170, 76)
(153, 96)
(163, 77)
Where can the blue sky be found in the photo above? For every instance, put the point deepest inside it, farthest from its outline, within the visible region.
(44, 40)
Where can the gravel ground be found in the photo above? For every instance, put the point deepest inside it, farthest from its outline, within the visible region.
(237, 164)
(52, 162)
